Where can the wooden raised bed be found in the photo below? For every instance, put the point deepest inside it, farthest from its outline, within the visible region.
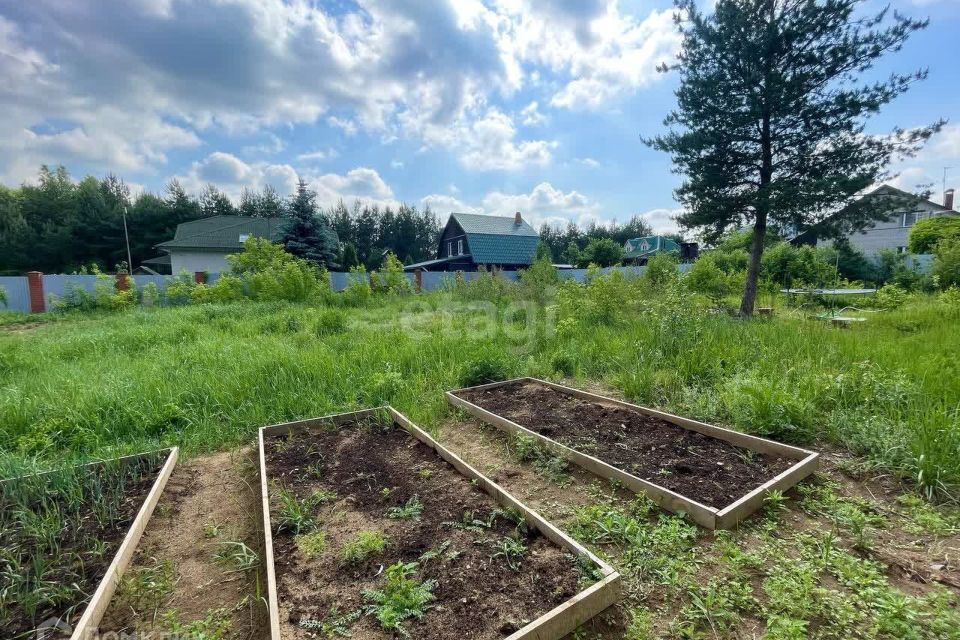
(552, 625)
(86, 626)
(723, 517)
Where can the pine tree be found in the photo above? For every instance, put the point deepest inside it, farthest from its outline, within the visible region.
(305, 233)
(769, 130)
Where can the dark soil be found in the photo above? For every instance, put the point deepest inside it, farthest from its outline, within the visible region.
(710, 471)
(373, 468)
(76, 566)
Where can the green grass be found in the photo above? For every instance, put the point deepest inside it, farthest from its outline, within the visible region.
(207, 376)
(365, 545)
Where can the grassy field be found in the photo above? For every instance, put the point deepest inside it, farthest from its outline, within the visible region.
(205, 377)
(880, 398)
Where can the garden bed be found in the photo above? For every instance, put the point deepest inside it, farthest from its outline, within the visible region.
(373, 529)
(716, 476)
(66, 537)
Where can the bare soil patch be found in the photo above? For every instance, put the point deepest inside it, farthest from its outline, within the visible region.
(208, 502)
(710, 471)
(372, 469)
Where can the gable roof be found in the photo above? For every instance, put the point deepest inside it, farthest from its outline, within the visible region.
(497, 239)
(649, 245)
(221, 232)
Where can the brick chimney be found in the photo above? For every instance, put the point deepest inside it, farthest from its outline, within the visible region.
(518, 220)
(948, 199)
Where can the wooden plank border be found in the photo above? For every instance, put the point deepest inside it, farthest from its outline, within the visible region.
(86, 627)
(703, 515)
(553, 625)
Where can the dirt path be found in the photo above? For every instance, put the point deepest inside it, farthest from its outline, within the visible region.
(209, 503)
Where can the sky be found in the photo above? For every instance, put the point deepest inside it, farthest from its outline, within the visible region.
(490, 106)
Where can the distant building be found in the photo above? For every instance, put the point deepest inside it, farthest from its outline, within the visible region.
(639, 250)
(204, 244)
(894, 231)
(470, 241)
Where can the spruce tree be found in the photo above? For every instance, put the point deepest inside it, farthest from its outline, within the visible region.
(770, 125)
(306, 234)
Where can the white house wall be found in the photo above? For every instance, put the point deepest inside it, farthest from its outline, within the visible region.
(889, 234)
(193, 261)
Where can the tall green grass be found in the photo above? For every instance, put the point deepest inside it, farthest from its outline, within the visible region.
(206, 377)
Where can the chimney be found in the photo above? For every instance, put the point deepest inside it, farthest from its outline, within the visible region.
(518, 220)
(947, 199)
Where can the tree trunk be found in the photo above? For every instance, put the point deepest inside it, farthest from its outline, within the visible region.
(753, 268)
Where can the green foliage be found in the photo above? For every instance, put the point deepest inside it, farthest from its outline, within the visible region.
(214, 626)
(312, 545)
(889, 297)
(527, 449)
(602, 252)
(401, 598)
(358, 292)
(662, 270)
(946, 265)
(145, 588)
(391, 278)
(766, 407)
(410, 510)
(707, 278)
(237, 556)
(926, 234)
(538, 280)
(487, 367)
(330, 322)
(335, 624)
(543, 253)
(306, 234)
(511, 549)
(736, 135)
(296, 515)
(365, 545)
(3, 296)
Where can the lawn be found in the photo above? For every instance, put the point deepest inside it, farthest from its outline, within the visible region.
(881, 399)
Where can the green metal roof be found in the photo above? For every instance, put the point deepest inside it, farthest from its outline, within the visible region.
(222, 232)
(498, 239)
(649, 245)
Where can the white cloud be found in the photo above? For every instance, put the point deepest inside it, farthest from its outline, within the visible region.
(161, 74)
(443, 204)
(318, 155)
(231, 175)
(925, 170)
(531, 115)
(590, 163)
(662, 220)
(396, 164)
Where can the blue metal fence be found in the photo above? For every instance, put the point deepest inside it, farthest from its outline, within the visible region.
(18, 294)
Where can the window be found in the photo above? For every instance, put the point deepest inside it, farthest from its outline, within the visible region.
(901, 249)
(450, 248)
(908, 219)
(460, 247)
(243, 237)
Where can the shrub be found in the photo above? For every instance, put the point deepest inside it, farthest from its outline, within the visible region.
(358, 290)
(486, 368)
(538, 280)
(487, 285)
(329, 322)
(707, 278)
(150, 295)
(227, 288)
(3, 296)
(925, 235)
(890, 297)
(180, 289)
(391, 279)
(946, 265)
(564, 363)
(662, 270)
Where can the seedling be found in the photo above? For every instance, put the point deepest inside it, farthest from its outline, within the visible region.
(296, 516)
(511, 550)
(214, 626)
(335, 624)
(402, 598)
(366, 544)
(212, 530)
(412, 509)
(432, 554)
(312, 545)
(146, 588)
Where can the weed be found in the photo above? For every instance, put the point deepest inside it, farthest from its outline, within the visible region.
(335, 624)
(433, 554)
(401, 598)
(212, 530)
(296, 515)
(527, 449)
(365, 545)
(237, 556)
(410, 510)
(312, 545)
(145, 588)
(214, 626)
(511, 550)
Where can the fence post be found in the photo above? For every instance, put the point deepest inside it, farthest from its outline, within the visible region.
(123, 282)
(200, 277)
(35, 286)
(418, 276)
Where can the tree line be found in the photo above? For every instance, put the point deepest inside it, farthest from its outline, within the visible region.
(58, 225)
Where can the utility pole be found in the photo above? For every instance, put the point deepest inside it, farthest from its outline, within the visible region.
(944, 191)
(126, 235)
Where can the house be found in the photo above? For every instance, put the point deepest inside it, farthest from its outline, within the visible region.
(470, 241)
(639, 250)
(204, 244)
(894, 231)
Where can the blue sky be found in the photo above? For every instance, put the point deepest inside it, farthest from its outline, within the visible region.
(490, 106)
